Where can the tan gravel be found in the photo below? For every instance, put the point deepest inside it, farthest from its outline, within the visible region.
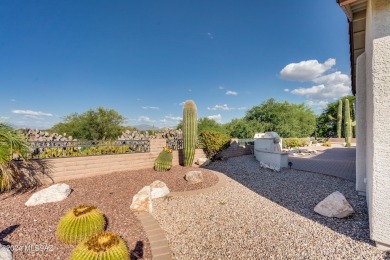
(261, 214)
(31, 230)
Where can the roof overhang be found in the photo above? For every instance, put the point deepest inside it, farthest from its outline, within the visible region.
(355, 11)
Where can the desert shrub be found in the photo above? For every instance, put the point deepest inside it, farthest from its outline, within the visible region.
(213, 142)
(79, 224)
(291, 142)
(163, 162)
(315, 142)
(305, 141)
(102, 246)
(327, 143)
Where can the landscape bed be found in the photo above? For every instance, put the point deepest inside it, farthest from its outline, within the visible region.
(29, 228)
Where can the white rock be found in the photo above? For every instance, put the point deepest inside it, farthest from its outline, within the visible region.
(335, 205)
(203, 161)
(194, 177)
(54, 193)
(142, 201)
(158, 189)
(5, 253)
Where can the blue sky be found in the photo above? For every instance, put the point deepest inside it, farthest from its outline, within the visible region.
(144, 58)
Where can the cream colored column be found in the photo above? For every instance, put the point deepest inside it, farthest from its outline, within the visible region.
(361, 124)
(378, 120)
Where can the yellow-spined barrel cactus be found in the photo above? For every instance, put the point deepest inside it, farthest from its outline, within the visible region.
(190, 131)
(163, 162)
(79, 224)
(102, 246)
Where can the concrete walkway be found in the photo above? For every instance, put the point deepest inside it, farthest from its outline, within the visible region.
(339, 162)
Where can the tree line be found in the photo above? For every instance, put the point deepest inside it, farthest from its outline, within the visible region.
(285, 118)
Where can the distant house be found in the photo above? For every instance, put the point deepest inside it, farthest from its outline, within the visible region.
(369, 30)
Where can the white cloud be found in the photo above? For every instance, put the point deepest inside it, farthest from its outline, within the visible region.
(182, 103)
(30, 113)
(286, 90)
(320, 103)
(225, 107)
(189, 90)
(3, 118)
(175, 118)
(231, 93)
(12, 100)
(145, 119)
(306, 70)
(324, 92)
(210, 35)
(220, 87)
(217, 117)
(327, 87)
(333, 78)
(308, 91)
(220, 107)
(149, 107)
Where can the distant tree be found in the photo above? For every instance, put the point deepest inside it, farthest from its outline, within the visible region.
(92, 125)
(241, 128)
(287, 119)
(326, 125)
(207, 124)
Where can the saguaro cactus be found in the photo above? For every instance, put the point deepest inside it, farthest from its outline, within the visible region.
(347, 123)
(339, 118)
(190, 129)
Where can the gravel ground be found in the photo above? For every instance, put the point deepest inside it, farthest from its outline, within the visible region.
(263, 214)
(22, 226)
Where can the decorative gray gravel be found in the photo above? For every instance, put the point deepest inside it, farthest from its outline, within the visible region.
(263, 214)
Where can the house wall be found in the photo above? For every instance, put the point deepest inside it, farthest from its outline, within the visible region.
(361, 124)
(378, 125)
(62, 169)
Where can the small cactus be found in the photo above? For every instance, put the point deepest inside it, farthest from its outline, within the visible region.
(347, 123)
(190, 129)
(101, 246)
(339, 118)
(80, 223)
(163, 162)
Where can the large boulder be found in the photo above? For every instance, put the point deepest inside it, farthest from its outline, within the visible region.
(194, 177)
(335, 205)
(54, 193)
(158, 189)
(5, 253)
(142, 201)
(203, 161)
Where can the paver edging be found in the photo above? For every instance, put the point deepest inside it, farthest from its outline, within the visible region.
(156, 235)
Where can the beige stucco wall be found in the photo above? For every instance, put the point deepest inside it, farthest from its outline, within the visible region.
(378, 120)
(361, 124)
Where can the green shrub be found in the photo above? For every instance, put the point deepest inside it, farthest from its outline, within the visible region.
(305, 141)
(213, 142)
(327, 143)
(102, 246)
(292, 142)
(163, 162)
(80, 223)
